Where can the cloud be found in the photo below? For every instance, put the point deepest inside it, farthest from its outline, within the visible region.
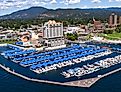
(96, 1)
(53, 2)
(67, 2)
(7, 4)
(16, 4)
(110, 0)
(12, 3)
(114, 0)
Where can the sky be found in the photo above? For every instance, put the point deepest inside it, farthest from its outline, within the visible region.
(9, 6)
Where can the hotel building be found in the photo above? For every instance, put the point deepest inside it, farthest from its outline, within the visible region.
(53, 34)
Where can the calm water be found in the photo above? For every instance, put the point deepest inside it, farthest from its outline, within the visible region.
(11, 83)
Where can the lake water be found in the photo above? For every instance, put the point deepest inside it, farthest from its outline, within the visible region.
(11, 83)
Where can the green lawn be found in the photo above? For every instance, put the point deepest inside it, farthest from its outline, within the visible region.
(118, 35)
(114, 36)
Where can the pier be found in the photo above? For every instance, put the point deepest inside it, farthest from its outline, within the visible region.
(80, 83)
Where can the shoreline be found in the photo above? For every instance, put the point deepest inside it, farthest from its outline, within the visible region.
(108, 41)
(86, 83)
(5, 44)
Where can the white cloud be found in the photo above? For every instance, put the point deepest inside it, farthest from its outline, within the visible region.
(16, 4)
(12, 3)
(96, 1)
(53, 2)
(110, 0)
(7, 4)
(67, 2)
(37, 3)
(114, 0)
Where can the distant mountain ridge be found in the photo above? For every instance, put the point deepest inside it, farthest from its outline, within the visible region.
(41, 12)
(26, 13)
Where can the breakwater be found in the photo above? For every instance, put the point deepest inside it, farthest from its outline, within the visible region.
(79, 83)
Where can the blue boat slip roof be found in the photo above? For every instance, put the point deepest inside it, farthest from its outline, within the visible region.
(56, 56)
(12, 51)
(28, 58)
(49, 63)
(19, 43)
(13, 46)
(46, 53)
(21, 53)
(17, 53)
(65, 59)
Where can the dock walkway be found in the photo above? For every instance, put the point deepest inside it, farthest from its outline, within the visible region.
(80, 83)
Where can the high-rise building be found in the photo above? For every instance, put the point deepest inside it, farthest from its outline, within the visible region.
(53, 33)
(113, 20)
(120, 20)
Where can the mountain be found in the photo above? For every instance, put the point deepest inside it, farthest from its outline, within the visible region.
(116, 9)
(86, 14)
(26, 13)
(42, 13)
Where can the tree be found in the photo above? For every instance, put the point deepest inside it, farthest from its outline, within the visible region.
(72, 37)
(118, 29)
(108, 31)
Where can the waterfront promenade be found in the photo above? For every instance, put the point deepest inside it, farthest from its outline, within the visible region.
(80, 83)
(3, 44)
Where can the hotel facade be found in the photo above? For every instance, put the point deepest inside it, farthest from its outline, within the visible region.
(53, 33)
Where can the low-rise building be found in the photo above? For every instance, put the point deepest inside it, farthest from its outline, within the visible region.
(71, 29)
(7, 34)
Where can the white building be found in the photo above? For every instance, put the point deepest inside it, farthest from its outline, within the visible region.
(72, 30)
(7, 34)
(53, 33)
(3, 37)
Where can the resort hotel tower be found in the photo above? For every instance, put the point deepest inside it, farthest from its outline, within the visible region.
(53, 34)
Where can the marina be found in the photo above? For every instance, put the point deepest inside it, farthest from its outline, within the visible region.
(55, 59)
(64, 58)
(80, 83)
(60, 46)
(87, 69)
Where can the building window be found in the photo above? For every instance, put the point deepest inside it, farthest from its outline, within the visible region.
(47, 33)
(50, 32)
(54, 31)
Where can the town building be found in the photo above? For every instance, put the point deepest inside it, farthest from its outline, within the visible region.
(71, 29)
(113, 20)
(53, 34)
(6, 34)
(120, 20)
(97, 26)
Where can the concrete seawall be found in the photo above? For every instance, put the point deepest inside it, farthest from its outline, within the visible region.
(79, 83)
(31, 79)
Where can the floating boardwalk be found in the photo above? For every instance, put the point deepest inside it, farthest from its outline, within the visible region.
(80, 83)
(84, 83)
(73, 54)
